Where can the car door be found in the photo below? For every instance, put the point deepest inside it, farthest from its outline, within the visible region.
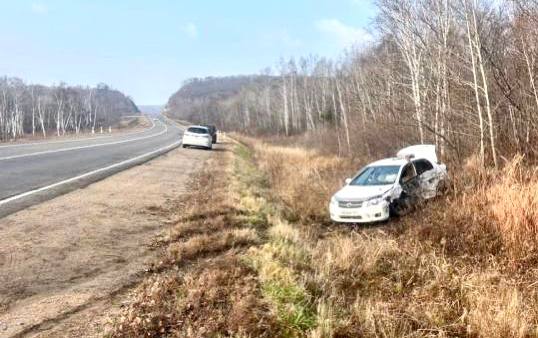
(428, 178)
(409, 179)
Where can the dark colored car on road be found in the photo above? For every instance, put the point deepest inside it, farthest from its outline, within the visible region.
(213, 132)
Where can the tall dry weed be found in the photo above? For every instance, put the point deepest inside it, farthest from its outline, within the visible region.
(303, 179)
(498, 308)
(513, 205)
(444, 271)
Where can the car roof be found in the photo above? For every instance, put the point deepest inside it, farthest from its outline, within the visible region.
(204, 127)
(395, 161)
(389, 161)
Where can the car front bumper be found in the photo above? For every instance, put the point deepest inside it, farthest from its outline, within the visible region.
(364, 214)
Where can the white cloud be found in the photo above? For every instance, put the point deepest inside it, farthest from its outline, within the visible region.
(344, 35)
(191, 30)
(39, 8)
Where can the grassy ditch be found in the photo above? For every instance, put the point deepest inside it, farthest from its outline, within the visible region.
(252, 254)
(203, 286)
(463, 266)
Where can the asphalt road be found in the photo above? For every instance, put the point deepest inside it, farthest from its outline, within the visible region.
(34, 172)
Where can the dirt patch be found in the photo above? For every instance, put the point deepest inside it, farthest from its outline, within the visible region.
(71, 253)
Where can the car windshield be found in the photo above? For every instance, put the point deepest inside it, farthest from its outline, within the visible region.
(377, 175)
(197, 130)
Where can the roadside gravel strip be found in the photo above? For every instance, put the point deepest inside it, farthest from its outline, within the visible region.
(73, 252)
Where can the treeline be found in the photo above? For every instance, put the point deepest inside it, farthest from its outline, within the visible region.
(36, 109)
(457, 73)
(201, 100)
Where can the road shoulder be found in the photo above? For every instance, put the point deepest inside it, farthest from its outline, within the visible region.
(72, 253)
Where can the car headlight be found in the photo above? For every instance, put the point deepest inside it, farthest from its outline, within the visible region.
(374, 201)
(334, 201)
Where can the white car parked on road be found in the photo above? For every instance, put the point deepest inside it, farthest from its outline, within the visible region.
(197, 136)
(392, 185)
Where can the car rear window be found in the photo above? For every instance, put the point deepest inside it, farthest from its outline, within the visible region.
(212, 129)
(197, 130)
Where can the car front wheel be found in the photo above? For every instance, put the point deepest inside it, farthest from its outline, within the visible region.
(402, 206)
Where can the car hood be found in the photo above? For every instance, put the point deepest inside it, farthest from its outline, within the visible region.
(361, 192)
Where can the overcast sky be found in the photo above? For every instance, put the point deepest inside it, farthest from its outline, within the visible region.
(147, 48)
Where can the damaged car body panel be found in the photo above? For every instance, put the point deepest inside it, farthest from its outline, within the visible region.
(390, 186)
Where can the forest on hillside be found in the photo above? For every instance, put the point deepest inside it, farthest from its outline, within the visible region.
(460, 74)
(29, 109)
(201, 100)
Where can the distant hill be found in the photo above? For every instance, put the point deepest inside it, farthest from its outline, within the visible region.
(199, 100)
(150, 109)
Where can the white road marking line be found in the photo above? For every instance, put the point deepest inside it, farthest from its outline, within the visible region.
(54, 142)
(174, 122)
(90, 173)
(78, 140)
(84, 147)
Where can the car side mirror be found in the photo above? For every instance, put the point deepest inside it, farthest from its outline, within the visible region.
(347, 181)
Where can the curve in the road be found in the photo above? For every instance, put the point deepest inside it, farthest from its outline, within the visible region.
(93, 172)
(27, 179)
(29, 144)
(84, 147)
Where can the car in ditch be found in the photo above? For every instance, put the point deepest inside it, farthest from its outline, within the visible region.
(392, 186)
(197, 136)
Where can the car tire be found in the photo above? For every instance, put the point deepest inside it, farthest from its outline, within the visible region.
(401, 206)
(184, 146)
(443, 187)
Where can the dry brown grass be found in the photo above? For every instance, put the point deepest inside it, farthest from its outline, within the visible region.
(490, 212)
(513, 205)
(463, 266)
(219, 298)
(199, 245)
(134, 122)
(238, 264)
(202, 286)
(302, 179)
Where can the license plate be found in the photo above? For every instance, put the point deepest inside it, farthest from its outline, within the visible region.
(350, 213)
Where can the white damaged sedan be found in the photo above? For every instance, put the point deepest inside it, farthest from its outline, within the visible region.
(389, 186)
